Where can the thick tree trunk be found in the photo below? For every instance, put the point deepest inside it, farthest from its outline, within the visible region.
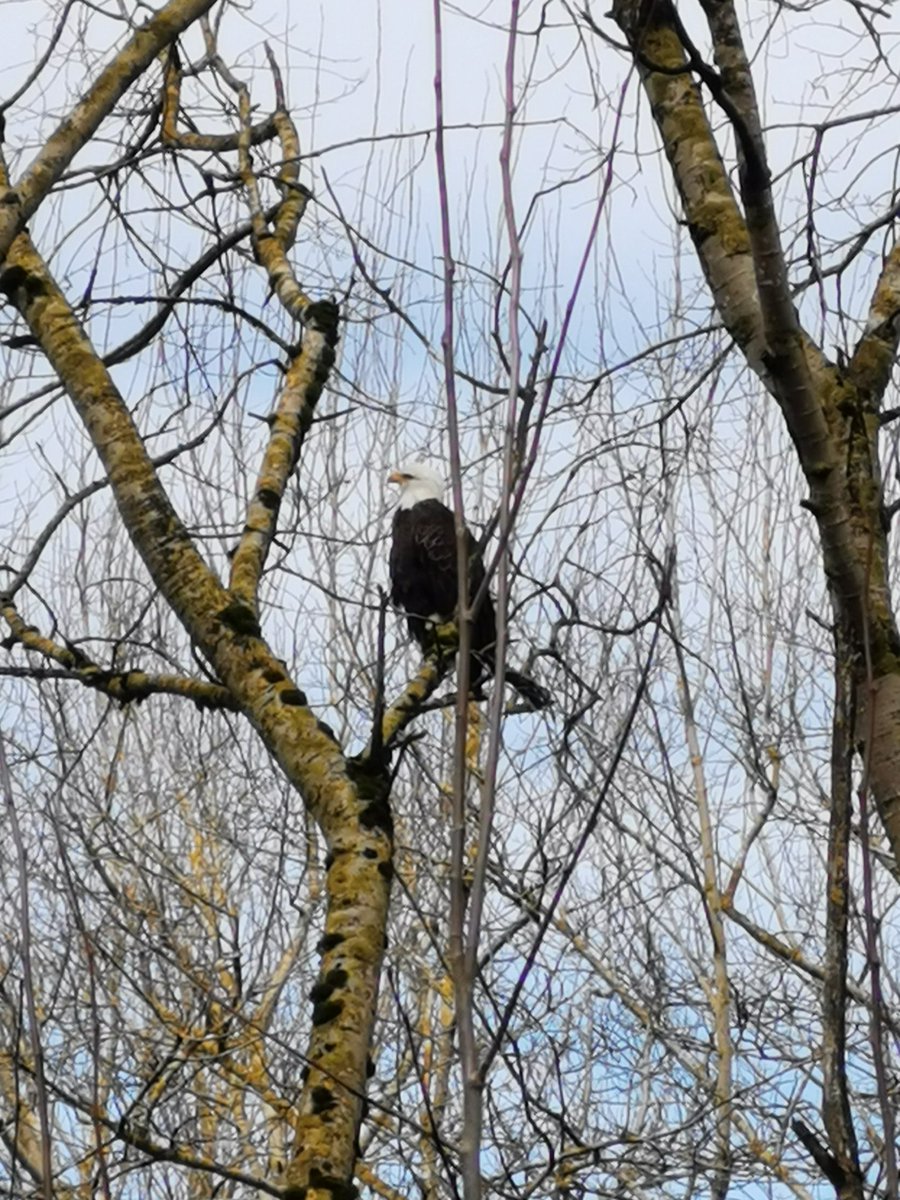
(831, 411)
(349, 803)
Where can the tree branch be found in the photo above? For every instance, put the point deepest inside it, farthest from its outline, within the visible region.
(20, 203)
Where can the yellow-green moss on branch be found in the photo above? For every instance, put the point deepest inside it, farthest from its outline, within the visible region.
(290, 424)
(75, 130)
(353, 814)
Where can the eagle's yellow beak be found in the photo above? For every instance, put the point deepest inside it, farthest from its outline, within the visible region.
(396, 477)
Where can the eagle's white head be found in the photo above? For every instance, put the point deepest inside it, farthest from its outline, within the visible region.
(417, 482)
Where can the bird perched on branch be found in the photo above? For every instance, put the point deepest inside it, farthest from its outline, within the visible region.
(424, 579)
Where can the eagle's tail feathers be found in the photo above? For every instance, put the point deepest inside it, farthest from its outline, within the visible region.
(537, 696)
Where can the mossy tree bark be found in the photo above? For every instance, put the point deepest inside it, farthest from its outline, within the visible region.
(347, 798)
(832, 410)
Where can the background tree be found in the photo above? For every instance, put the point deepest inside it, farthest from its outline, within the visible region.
(642, 944)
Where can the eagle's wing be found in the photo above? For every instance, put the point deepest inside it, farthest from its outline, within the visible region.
(434, 537)
(423, 560)
(476, 565)
(435, 543)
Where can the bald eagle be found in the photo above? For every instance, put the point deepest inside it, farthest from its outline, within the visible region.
(424, 577)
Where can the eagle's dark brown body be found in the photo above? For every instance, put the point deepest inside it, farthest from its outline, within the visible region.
(424, 583)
